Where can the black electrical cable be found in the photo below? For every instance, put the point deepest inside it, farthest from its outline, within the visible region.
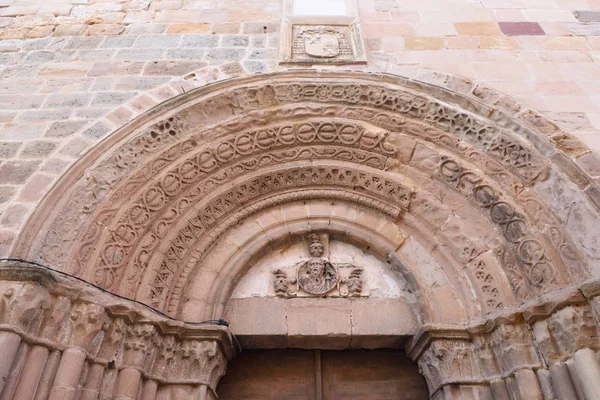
(219, 322)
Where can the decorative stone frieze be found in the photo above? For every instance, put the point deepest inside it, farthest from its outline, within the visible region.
(102, 334)
(505, 352)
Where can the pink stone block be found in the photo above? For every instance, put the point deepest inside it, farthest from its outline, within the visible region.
(521, 28)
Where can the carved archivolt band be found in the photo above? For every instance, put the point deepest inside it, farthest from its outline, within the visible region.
(158, 199)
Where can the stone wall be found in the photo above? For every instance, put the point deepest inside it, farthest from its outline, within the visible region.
(72, 72)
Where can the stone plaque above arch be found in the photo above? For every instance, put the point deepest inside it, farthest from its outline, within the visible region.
(313, 38)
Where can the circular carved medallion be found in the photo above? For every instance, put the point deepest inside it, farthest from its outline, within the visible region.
(317, 276)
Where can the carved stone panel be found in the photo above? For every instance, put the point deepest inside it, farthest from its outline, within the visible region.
(317, 276)
(321, 44)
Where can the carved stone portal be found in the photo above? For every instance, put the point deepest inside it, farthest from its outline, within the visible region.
(317, 276)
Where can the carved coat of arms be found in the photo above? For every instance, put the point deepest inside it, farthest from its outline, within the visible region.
(321, 44)
(317, 276)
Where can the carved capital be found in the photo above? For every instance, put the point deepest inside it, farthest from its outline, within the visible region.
(566, 331)
(137, 347)
(87, 320)
(201, 360)
(112, 339)
(513, 346)
(167, 347)
(54, 325)
(22, 305)
(448, 362)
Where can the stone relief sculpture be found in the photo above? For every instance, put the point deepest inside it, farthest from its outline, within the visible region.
(317, 276)
(320, 44)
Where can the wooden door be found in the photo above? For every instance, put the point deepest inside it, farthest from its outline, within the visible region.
(293, 374)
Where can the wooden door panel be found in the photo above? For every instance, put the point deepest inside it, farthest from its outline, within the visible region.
(373, 375)
(270, 375)
(344, 375)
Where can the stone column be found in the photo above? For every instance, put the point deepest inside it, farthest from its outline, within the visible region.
(43, 389)
(91, 389)
(545, 381)
(111, 341)
(86, 322)
(30, 380)
(136, 352)
(528, 385)
(22, 305)
(9, 345)
(514, 349)
(561, 382)
(68, 373)
(16, 369)
(32, 373)
(588, 369)
(128, 384)
(149, 390)
(499, 389)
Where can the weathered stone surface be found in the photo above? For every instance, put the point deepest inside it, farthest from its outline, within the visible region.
(575, 214)
(37, 149)
(174, 68)
(15, 172)
(63, 129)
(589, 29)
(321, 323)
(521, 28)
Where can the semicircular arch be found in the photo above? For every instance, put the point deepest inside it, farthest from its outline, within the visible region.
(472, 181)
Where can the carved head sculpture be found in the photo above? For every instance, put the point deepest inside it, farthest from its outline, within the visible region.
(280, 283)
(315, 248)
(316, 269)
(354, 282)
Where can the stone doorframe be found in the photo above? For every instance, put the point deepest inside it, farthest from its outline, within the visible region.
(458, 188)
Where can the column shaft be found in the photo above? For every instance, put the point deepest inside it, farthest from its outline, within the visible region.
(9, 344)
(48, 375)
(562, 383)
(68, 374)
(588, 368)
(149, 390)
(32, 373)
(528, 385)
(91, 390)
(128, 384)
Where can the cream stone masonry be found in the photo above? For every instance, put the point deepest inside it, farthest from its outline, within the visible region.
(73, 73)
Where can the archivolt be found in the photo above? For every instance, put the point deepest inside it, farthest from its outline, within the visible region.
(141, 213)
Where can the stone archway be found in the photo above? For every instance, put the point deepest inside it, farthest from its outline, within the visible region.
(483, 215)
